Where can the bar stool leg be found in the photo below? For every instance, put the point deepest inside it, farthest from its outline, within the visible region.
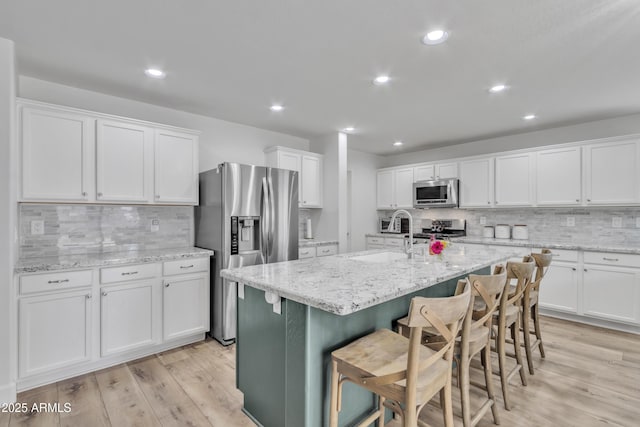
(381, 409)
(515, 335)
(502, 363)
(536, 327)
(488, 378)
(335, 379)
(526, 316)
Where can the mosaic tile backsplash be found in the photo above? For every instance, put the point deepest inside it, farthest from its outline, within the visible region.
(591, 224)
(81, 229)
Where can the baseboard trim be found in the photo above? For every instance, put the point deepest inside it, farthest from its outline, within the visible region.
(8, 393)
(622, 327)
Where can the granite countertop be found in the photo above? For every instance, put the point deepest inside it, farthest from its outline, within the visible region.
(342, 284)
(35, 265)
(391, 235)
(309, 243)
(603, 246)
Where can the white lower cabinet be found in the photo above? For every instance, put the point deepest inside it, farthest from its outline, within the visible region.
(559, 288)
(185, 307)
(129, 316)
(312, 252)
(54, 331)
(611, 293)
(385, 242)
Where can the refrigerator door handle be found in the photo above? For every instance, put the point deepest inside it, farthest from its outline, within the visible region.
(265, 220)
(272, 215)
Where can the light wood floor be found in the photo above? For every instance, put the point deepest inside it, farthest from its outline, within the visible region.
(591, 377)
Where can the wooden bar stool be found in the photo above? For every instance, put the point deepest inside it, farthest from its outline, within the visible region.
(509, 316)
(531, 310)
(404, 374)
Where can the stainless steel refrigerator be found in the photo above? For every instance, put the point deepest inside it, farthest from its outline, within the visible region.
(247, 215)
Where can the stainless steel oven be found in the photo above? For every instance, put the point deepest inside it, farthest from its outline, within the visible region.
(442, 193)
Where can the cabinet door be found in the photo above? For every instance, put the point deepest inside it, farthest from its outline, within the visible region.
(558, 177)
(612, 172)
(559, 288)
(403, 188)
(123, 162)
(424, 173)
(129, 317)
(611, 293)
(476, 183)
(176, 168)
(385, 189)
(514, 180)
(185, 303)
(311, 180)
(56, 155)
(54, 331)
(446, 170)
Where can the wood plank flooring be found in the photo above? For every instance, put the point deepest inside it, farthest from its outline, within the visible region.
(591, 377)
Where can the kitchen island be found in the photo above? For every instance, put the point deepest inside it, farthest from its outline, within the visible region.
(291, 315)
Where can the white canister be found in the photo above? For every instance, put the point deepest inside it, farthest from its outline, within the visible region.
(488, 232)
(503, 231)
(520, 232)
(308, 231)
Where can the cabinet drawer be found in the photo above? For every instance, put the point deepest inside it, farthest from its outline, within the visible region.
(394, 243)
(306, 253)
(375, 240)
(129, 272)
(608, 258)
(182, 266)
(562, 255)
(55, 281)
(326, 250)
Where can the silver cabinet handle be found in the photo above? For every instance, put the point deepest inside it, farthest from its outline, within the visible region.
(129, 273)
(84, 194)
(610, 259)
(304, 252)
(187, 266)
(574, 269)
(585, 270)
(488, 203)
(157, 196)
(324, 251)
(577, 200)
(588, 200)
(104, 294)
(88, 296)
(58, 281)
(99, 194)
(167, 285)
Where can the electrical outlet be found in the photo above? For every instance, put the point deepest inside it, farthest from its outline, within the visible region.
(616, 222)
(571, 221)
(155, 225)
(37, 226)
(483, 220)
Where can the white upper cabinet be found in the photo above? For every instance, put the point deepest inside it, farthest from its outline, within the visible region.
(310, 171)
(56, 155)
(424, 173)
(395, 188)
(514, 180)
(123, 156)
(612, 172)
(476, 183)
(558, 177)
(176, 167)
(435, 171)
(71, 155)
(446, 170)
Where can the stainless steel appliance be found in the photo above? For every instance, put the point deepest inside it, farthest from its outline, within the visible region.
(400, 225)
(440, 229)
(248, 215)
(442, 193)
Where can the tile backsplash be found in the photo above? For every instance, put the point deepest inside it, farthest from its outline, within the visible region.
(591, 224)
(80, 229)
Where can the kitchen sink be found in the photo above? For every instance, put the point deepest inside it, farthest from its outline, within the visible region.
(380, 257)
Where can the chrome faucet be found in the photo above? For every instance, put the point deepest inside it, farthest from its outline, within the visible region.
(390, 228)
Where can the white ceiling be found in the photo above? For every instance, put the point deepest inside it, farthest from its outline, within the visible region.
(567, 61)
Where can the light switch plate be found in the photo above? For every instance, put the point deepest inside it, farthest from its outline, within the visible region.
(37, 227)
(616, 222)
(155, 225)
(483, 220)
(571, 221)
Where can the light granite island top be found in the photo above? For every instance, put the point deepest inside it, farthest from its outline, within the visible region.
(346, 283)
(292, 315)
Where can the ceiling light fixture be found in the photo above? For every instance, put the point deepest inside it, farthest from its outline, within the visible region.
(498, 88)
(380, 80)
(435, 37)
(156, 73)
(348, 129)
(529, 117)
(397, 143)
(276, 107)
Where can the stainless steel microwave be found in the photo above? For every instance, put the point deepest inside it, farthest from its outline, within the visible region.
(441, 193)
(400, 225)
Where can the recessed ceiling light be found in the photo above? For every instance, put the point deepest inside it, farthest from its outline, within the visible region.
(380, 80)
(155, 73)
(276, 107)
(348, 129)
(397, 143)
(435, 37)
(529, 117)
(498, 88)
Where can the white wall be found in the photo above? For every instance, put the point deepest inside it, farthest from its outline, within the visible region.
(220, 140)
(8, 211)
(592, 130)
(364, 217)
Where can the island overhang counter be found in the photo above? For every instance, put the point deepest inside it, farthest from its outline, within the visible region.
(291, 315)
